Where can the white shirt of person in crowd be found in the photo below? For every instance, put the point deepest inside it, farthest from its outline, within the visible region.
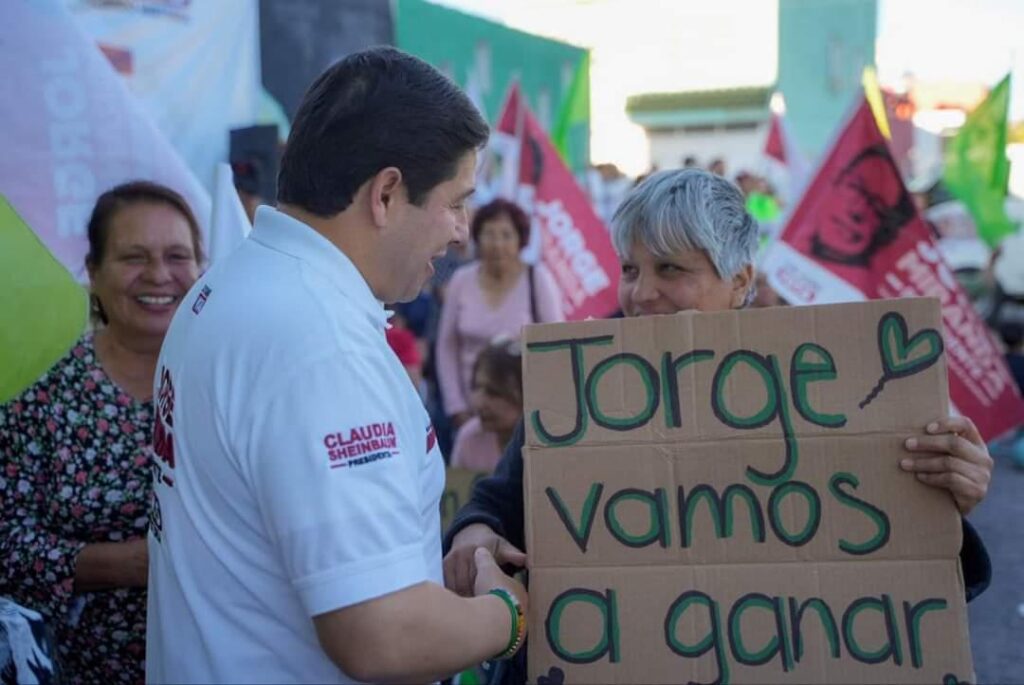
(296, 470)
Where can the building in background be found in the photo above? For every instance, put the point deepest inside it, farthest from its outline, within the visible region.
(298, 39)
(824, 46)
(729, 124)
(940, 108)
(485, 57)
(195, 67)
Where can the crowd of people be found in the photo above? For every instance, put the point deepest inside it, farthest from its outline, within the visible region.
(266, 510)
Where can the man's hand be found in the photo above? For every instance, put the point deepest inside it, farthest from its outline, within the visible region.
(460, 568)
(489, 576)
(112, 565)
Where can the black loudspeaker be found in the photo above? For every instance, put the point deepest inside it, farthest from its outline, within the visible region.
(254, 159)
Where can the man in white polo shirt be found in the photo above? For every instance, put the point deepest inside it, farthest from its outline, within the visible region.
(295, 530)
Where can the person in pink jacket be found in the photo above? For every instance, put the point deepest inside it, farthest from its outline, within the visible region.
(496, 295)
(497, 399)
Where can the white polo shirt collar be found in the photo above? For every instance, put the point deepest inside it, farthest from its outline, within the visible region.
(288, 235)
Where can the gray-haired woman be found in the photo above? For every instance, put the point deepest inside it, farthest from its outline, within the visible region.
(686, 242)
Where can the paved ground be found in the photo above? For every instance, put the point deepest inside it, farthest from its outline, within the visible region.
(997, 617)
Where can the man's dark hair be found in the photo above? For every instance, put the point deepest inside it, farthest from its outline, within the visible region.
(374, 109)
(891, 216)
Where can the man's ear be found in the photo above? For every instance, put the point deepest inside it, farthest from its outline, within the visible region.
(742, 282)
(385, 189)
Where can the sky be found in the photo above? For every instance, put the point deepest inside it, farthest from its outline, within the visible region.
(669, 45)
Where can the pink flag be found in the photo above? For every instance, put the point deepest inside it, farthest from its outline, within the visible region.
(774, 146)
(575, 245)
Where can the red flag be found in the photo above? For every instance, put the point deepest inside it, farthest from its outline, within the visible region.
(773, 146)
(780, 146)
(575, 245)
(856, 234)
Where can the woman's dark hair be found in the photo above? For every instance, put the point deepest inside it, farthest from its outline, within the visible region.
(496, 208)
(114, 200)
(503, 363)
(134, 192)
(374, 109)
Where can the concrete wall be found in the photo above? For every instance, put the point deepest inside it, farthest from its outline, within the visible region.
(740, 148)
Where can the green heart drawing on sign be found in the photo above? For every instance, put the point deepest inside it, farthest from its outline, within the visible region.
(903, 357)
(902, 354)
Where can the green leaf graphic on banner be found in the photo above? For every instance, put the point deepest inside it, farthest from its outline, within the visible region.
(43, 310)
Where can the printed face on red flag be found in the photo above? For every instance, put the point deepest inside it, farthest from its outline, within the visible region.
(856, 216)
(868, 208)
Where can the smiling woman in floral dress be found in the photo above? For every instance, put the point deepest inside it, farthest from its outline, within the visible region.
(74, 447)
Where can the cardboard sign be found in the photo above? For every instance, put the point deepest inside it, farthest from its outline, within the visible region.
(458, 486)
(717, 498)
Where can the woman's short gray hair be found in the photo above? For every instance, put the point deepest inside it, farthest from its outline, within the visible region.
(688, 209)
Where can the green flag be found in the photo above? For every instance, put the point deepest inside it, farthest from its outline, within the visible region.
(977, 170)
(575, 110)
(42, 309)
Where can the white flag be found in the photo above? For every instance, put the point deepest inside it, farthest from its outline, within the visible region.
(229, 226)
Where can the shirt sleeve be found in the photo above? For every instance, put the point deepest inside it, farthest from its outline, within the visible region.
(549, 297)
(335, 467)
(37, 565)
(975, 562)
(447, 349)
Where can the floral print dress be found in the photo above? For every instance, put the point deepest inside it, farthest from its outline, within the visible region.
(75, 469)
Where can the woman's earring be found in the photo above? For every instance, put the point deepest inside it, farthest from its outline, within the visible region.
(96, 308)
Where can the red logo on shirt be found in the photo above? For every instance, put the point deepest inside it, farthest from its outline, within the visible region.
(431, 438)
(361, 445)
(163, 429)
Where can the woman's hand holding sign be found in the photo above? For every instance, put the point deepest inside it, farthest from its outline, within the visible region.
(952, 455)
(460, 566)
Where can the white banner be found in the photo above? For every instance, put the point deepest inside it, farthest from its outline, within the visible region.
(800, 280)
(71, 130)
(195, 66)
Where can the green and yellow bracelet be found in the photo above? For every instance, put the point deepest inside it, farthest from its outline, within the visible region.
(518, 633)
